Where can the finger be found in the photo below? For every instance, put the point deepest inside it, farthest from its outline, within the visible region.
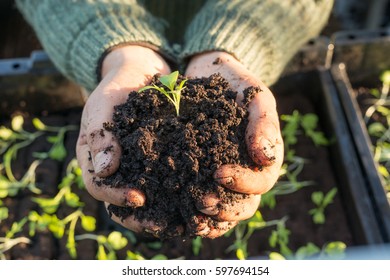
(208, 204)
(200, 225)
(133, 224)
(246, 180)
(220, 228)
(104, 147)
(94, 185)
(238, 210)
(263, 136)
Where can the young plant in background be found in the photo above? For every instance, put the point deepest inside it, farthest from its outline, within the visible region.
(379, 128)
(321, 201)
(174, 89)
(244, 230)
(58, 150)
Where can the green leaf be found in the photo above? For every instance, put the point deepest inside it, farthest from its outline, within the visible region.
(58, 152)
(318, 138)
(376, 129)
(101, 239)
(17, 123)
(38, 124)
(6, 133)
(111, 255)
(385, 77)
(328, 199)
(88, 223)
(150, 87)
(309, 121)
(240, 254)
(381, 169)
(273, 239)
(101, 253)
(170, 80)
(307, 251)
(317, 197)
(319, 217)
(335, 249)
(276, 256)
(3, 213)
(385, 111)
(196, 245)
(57, 227)
(116, 240)
(53, 139)
(4, 186)
(16, 228)
(133, 256)
(159, 257)
(72, 200)
(48, 205)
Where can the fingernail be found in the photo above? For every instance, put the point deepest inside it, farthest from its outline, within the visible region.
(210, 211)
(267, 149)
(101, 161)
(225, 181)
(135, 198)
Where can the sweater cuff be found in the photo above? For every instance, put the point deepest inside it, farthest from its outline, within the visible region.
(76, 34)
(262, 35)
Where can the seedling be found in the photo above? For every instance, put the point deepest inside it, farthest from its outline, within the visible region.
(321, 201)
(332, 250)
(58, 150)
(174, 89)
(244, 230)
(7, 242)
(380, 130)
(107, 245)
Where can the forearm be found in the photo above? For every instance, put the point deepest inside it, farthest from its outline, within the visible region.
(262, 35)
(78, 34)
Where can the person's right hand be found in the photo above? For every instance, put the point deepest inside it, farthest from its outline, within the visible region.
(263, 140)
(124, 69)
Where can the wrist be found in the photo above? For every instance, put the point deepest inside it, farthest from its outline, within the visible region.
(131, 67)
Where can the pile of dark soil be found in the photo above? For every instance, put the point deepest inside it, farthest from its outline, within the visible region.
(172, 158)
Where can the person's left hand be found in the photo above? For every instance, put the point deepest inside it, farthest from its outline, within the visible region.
(263, 139)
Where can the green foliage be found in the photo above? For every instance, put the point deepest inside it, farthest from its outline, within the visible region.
(243, 231)
(47, 218)
(377, 118)
(309, 124)
(196, 245)
(174, 90)
(321, 201)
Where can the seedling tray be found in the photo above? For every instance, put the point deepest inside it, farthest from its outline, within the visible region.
(358, 61)
(318, 86)
(350, 218)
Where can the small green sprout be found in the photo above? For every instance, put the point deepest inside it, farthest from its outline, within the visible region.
(174, 90)
(321, 201)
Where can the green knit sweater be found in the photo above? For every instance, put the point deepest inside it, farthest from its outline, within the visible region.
(262, 34)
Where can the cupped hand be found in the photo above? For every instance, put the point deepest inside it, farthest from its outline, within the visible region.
(263, 139)
(124, 69)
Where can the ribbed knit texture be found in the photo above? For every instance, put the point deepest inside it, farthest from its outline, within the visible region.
(76, 33)
(261, 34)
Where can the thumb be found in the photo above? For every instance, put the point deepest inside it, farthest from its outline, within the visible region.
(105, 152)
(104, 147)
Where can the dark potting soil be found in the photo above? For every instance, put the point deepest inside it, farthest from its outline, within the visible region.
(171, 158)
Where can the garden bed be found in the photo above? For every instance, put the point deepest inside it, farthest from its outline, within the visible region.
(361, 86)
(283, 225)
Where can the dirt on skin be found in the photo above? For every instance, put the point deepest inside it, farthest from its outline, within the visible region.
(172, 158)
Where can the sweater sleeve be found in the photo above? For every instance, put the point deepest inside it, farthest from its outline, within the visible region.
(262, 34)
(76, 34)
